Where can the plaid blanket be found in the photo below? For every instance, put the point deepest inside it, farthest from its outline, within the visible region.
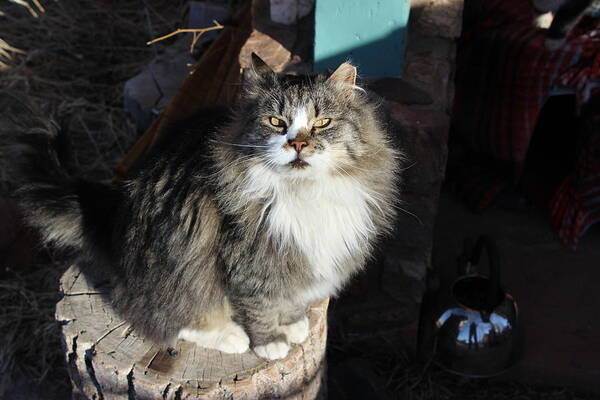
(575, 205)
(504, 75)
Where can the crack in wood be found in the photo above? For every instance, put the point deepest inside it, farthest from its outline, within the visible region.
(126, 332)
(305, 373)
(72, 365)
(147, 367)
(69, 294)
(226, 394)
(187, 360)
(131, 395)
(283, 374)
(89, 365)
(74, 280)
(165, 392)
(178, 393)
(108, 332)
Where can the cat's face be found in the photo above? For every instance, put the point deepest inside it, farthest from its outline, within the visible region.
(303, 126)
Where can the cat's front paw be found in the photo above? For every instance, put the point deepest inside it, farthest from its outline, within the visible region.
(229, 338)
(296, 332)
(273, 351)
(234, 340)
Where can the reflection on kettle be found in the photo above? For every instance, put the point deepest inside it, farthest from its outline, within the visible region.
(470, 328)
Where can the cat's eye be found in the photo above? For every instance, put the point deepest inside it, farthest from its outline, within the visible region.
(322, 123)
(276, 122)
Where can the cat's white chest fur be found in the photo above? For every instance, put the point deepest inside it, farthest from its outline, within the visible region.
(327, 219)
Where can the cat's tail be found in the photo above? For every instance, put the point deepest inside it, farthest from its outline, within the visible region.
(64, 209)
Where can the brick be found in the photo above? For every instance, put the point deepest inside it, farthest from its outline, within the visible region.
(270, 50)
(441, 18)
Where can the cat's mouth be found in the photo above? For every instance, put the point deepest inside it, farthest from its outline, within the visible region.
(298, 164)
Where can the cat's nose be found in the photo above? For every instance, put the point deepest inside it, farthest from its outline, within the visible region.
(297, 144)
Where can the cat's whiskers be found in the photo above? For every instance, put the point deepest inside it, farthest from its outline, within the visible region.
(406, 168)
(267, 204)
(238, 144)
(396, 206)
(232, 164)
(370, 171)
(389, 204)
(376, 196)
(342, 152)
(369, 196)
(246, 183)
(270, 163)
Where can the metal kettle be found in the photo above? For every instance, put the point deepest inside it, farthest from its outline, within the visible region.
(471, 328)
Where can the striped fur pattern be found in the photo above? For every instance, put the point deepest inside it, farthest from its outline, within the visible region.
(241, 219)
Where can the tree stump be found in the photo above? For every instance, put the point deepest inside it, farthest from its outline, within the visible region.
(107, 360)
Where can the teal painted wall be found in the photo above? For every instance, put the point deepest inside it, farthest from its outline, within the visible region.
(371, 33)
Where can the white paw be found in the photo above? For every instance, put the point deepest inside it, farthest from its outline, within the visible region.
(296, 332)
(543, 20)
(273, 350)
(229, 338)
(233, 340)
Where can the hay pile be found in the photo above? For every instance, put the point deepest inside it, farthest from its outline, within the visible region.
(70, 57)
(73, 60)
(30, 354)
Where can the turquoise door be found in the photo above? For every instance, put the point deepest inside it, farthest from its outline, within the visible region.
(371, 33)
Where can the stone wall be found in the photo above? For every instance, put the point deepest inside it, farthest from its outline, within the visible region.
(434, 26)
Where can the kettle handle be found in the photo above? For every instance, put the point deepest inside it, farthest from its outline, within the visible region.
(463, 262)
(486, 242)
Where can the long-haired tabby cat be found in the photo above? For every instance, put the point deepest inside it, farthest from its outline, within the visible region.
(240, 221)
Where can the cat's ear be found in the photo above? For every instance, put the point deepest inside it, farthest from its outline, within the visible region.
(259, 66)
(255, 77)
(344, 74)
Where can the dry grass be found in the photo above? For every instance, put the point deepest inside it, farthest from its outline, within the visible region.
(71, 58)
(31, 349)
(403, 378)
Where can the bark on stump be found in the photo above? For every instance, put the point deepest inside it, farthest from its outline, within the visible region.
(106, 360)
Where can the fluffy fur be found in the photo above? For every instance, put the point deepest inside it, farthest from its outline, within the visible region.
(234, 225)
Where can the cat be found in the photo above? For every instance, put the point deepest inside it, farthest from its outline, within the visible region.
(560, 16)
(240, 219)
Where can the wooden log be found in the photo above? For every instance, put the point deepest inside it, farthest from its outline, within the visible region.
(107, 360)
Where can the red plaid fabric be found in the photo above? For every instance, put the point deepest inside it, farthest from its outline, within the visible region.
(504, 75)
(576, 204)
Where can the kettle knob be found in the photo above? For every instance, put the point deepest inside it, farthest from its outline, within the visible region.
(468, 264)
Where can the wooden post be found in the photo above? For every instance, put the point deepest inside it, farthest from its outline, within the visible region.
(106, 360)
